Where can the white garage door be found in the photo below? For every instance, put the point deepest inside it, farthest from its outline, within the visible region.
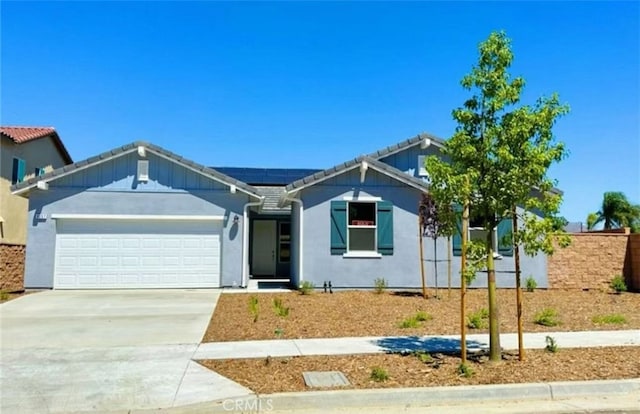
(118, 253)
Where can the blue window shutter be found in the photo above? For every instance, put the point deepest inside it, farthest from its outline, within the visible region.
(456, 239)
(505, 240)
(39, 172)
(17, 173)
(385, 228)
(338, 227)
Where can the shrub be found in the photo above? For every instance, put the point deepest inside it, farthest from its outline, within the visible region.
(465, 370)
(4, 296)
(618, 285)
(547, 317)
(424, 357)
(552, 345)
(531, 284)
(254, 309)
(278, 332)
(478, 319)
(380, 285)
(613, 319)
(306, 287)
(411, 322)
(279, 308)
(423, 316)
(379, 374)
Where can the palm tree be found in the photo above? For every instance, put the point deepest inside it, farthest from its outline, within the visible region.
(616, 211)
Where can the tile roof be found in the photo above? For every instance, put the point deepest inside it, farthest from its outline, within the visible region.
(22, 134)
(407, 143)
(272, 196)
(71, 168)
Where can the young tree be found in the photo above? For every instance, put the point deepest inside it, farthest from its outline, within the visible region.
(504, 152)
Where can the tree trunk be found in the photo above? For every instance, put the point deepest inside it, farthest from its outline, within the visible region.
(424, 282)
(435, 263)
(449, 248)
(516, 257)
(495, 353)
(463, 283)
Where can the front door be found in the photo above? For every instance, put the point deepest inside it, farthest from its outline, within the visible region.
(263, 258)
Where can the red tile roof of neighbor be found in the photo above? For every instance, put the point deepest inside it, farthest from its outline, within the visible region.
(20, 135)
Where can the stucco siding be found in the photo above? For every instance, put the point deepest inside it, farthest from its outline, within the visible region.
(402, 269)
(40, 153)
(42, 232)
(407, 160)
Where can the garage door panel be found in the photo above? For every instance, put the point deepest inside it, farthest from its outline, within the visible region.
(157, 254)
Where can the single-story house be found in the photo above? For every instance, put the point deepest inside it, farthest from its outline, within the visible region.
(140, 216)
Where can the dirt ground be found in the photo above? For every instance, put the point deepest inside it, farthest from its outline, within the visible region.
(285, 374)
(365, 313)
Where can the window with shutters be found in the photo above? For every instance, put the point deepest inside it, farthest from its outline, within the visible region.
(18, 171)
(361, 228)
(501, 234)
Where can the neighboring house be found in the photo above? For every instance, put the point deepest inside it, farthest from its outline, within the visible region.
(25, 152)
(142, 217)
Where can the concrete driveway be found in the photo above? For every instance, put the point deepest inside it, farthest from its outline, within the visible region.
(65, 351)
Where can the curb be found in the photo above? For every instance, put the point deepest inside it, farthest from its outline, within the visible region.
(410, 397)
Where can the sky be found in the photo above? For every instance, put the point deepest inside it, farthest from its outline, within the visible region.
(313, 84)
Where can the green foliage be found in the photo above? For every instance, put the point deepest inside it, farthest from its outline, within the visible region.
(278, 332)
(478, 319)
(379, 374)
(380, 285)
(552, 345)
(4, 296)
(618, 284)
(616, 211)
(592, 220)
(254, 308)
(547, 317)
(424, 357)
(423, 316)
(408, 323)
(279, 308)
(531, 284)
(414, 321)
(613, 319)
(464, 370)
(306, 287)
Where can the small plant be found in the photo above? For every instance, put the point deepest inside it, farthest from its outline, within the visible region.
(613, 319)
(278, 332)
(478, 319)
(279, 308)
(465, 370)
(547, 317)
(254, 309)
(4, 296)
(306, 287)
(423, 316)
(379, 374)
(380, 285)
(531, 284)
(424, 357)
(618, 285)
(552, 345)
(411, 322)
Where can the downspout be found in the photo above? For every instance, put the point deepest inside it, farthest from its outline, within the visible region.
(301, 235)
(245, 240)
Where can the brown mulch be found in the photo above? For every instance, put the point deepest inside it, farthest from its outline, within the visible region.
(285, 374)
(365, 313)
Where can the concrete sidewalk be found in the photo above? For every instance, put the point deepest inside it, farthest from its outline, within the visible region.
(373, 345)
